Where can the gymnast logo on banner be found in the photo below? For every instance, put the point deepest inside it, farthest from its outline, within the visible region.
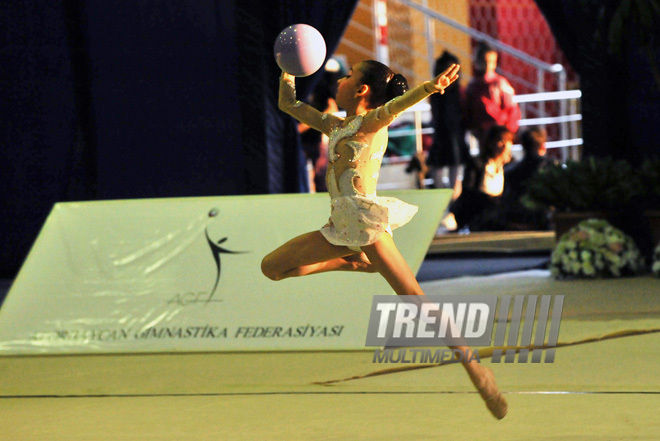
(217, 251)
(400, 322)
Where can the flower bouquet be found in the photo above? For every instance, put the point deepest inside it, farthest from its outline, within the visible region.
(656, 261)
(594, 248)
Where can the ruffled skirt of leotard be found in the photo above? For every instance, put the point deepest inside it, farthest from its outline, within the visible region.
(357, 221)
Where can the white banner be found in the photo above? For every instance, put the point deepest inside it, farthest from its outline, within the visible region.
(166, 275)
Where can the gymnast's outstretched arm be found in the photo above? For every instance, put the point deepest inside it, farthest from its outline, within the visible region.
(303, 112)
(385, 114)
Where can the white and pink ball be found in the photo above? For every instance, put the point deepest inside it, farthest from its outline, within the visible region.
(299, 50)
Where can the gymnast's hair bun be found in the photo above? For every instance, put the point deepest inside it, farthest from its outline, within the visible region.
(398, 85)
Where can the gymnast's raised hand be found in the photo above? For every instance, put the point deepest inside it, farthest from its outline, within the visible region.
(444, 80)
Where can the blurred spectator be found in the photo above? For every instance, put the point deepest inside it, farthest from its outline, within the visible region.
(516, 176)
(534, 151)
(314, 143)
(449, 151)
(479, 206)
(489, 96)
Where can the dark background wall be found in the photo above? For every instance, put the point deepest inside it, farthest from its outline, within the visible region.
(614, 46)
(141, 99)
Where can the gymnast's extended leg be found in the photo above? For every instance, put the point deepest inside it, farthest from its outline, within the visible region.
(386, 259)
(311, 253)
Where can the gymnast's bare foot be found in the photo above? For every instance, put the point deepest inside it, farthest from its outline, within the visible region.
(484, 381)
(360, 262)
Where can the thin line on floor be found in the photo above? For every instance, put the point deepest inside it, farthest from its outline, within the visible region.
(238, 394)
(486, 353)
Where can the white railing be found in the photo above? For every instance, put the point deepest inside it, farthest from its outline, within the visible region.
(569, 143)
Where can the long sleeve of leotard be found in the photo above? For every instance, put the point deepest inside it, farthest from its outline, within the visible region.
(388, 112)
(303, 112)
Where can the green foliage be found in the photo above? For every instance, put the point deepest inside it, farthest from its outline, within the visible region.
(594, 184)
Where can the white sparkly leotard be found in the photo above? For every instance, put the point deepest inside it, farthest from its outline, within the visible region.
(355, 151)
(358, 216)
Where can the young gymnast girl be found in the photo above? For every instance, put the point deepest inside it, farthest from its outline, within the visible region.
(358, 236)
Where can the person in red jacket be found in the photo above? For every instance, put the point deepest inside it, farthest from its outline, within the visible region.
(489, 96)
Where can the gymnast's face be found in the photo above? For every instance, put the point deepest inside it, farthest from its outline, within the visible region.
(349, 86)
(491, 62)
(507, 154)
